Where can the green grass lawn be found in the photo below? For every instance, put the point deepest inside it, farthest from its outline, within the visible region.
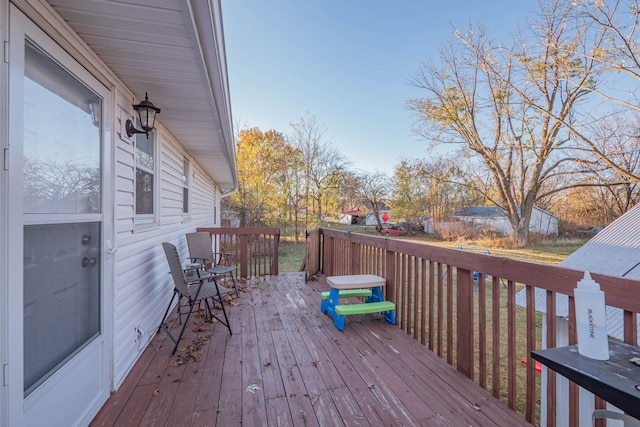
(290, 255)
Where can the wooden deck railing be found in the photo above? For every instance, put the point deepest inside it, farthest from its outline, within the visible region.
(255, 250)
(476, 326)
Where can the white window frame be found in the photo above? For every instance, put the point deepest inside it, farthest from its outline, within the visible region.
(147, 221)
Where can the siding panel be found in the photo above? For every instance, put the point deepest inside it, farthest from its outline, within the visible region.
(142, 287)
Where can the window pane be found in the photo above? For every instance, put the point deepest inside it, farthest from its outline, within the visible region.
(61, 140)
(144, 151)
(61, 295)
(185, 200)
(144, 192)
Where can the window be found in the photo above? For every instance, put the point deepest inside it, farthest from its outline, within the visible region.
(145, 174)
(186, 181)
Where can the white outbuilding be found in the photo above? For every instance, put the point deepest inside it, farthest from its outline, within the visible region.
(492, 218)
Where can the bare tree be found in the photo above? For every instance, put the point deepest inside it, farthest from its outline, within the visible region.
(322, 168)
(50, 184)
(372, 190)
(611, 41)
(617, 138)
(508, 107)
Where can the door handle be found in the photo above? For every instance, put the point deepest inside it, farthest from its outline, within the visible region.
(111, 249)
(89, 262)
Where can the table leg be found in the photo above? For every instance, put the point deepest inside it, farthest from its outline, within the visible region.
(328, 306)
(376, 294)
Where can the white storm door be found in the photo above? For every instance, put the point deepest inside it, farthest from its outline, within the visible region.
(59, 357)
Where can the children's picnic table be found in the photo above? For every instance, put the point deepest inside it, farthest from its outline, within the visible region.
(365, 285)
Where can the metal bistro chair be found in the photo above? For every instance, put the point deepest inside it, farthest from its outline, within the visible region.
(194, 289)
(200, 251)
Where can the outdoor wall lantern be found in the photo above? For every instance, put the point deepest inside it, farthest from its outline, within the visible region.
(147, 116)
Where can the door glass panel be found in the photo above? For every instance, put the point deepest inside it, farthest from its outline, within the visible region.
(62, 175)
(61, 295)
(61, 140)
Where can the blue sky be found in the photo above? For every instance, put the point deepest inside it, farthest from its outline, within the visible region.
(348, 63)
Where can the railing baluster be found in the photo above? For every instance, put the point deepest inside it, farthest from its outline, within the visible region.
(511, 347)
(450, 315)
(551, 343)
(531, 345)
(464, 321)
(440, 298)
(432, 314)
(482, 331)
(495, 326)
(630, 327)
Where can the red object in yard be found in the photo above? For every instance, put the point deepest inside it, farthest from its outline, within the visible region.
(538, 365)
(394, 230)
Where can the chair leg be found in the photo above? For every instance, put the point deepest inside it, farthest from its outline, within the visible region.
(184, 326)
(225, 322)
(233, 280)
(175, 291)
(176, 341)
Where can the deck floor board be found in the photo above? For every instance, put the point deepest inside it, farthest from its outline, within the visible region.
(286, 364)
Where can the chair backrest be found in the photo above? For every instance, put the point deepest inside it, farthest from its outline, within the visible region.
(199, 244)
(177, 273)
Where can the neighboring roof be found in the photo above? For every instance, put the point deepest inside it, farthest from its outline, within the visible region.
(353, 212)
(490, 212)
(481, 212)
(614, 251)
(174, 50)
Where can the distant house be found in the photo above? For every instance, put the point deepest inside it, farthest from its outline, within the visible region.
(364, 216)
(349, 217)
(614, 251)
(385, 218)
(492, 218)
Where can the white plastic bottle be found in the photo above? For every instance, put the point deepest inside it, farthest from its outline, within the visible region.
(591, 319)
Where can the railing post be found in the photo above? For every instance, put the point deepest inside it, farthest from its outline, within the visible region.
(464, 324)
(327, 257)
(244, 251)
(390, 277)
(276, 247)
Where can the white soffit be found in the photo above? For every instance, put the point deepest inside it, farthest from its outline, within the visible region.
(174, 50)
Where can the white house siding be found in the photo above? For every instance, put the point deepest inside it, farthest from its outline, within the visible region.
(543, 222)
(142, 287)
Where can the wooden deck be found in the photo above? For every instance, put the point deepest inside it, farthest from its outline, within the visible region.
(286, 364)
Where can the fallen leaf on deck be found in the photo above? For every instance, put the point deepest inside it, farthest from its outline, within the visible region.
(252, 388)
(156, 392)
(476, 407)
